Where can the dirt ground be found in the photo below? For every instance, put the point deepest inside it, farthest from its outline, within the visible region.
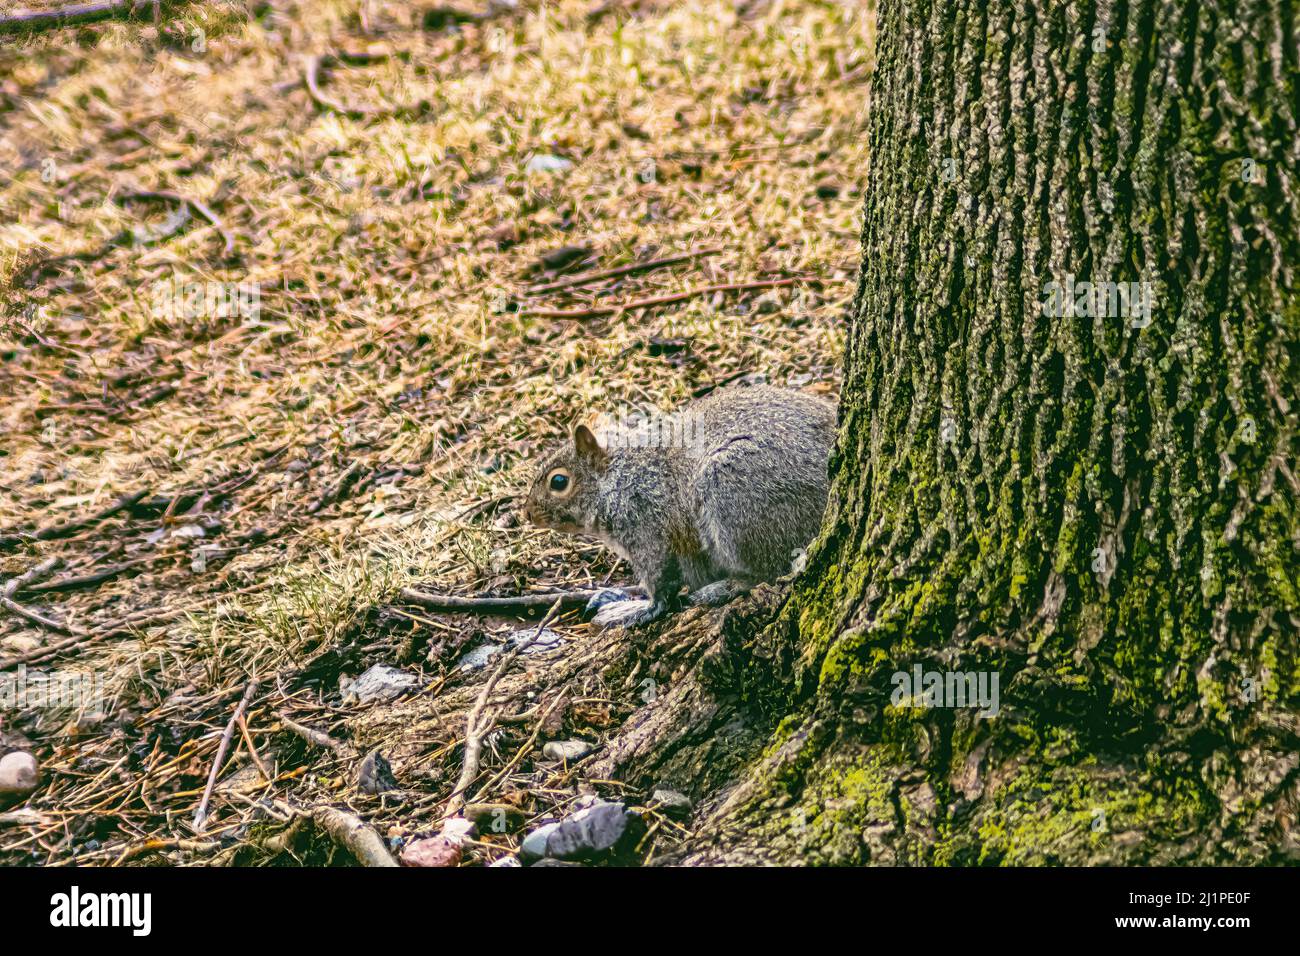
(280, 334)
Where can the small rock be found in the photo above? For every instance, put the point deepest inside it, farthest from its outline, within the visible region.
(479, 657)
(506, 861)
(19, 774)
(375, 774)
(494, 817)
(535, 844)
(672, 803)
(547, 163)
(605, 829)
(380, 682)
(569, 750)
(435, 851)
(547, 640)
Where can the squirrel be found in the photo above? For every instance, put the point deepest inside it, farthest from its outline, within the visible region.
(717, 497)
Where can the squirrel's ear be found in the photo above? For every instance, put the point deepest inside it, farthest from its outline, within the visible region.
(587, 445)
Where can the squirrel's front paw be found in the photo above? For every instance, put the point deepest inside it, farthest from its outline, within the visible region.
(627, 614)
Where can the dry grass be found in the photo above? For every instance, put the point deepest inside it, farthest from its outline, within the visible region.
(393, 249)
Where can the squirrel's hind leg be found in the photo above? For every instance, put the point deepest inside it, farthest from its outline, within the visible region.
(629, 614)
(663, 581)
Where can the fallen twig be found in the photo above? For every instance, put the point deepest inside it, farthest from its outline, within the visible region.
(201, 814)
(354, 834)
(252, 750)
(497, 605)
(13, 607)
(135, 236)
(158, 846)
(31, 576)
(476, 724)
(32, 20)
(522, 751)
(346, 829)
(316, 738)
(714, 386)
(78, 581)
(80, 639)
(52, 532)
(21, 818)
(648, 266)
(602, 310)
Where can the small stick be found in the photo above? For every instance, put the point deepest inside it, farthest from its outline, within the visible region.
(90, 580)
(316, 738)
(201, 814)
(496, 605)
(281, 842)
(13, 607)
(49, 650)
(352, 833)
(476, 726)
(602, 310)
(713, 386)
(80, 639)
(345, 829)
(71, 527)
(526, 748)
(31, 576)
(647, 266)
(252, 750)
(159, 845)
(21, 818)
(32, 20)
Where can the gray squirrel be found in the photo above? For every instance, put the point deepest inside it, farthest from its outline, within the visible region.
(717, 497)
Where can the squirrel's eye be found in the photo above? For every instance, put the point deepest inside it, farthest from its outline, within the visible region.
(559, 482)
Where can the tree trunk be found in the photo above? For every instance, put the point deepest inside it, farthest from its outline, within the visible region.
(1087, 495)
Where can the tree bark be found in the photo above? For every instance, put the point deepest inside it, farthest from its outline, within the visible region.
(1097, 509)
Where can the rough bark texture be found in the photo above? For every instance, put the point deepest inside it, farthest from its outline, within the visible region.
(1099, 511)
